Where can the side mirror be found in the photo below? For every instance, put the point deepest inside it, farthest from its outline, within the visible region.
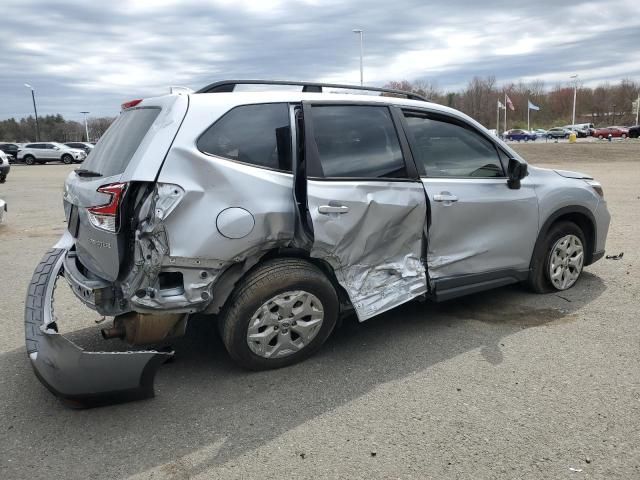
(516, 171)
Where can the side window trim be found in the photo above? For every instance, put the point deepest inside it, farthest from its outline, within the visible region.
(314, 166)
(289, 105)
(440, 116)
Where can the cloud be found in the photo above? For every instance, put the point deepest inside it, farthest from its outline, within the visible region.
(95, 55)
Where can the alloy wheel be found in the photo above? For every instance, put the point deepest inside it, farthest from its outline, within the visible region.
(285, 324)
(566, 262)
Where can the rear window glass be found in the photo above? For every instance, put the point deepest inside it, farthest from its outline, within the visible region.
(116, 147)
(256, 134)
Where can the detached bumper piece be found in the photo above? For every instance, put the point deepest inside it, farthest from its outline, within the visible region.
(79, 378)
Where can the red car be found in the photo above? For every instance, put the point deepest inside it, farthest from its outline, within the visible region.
(615, 132)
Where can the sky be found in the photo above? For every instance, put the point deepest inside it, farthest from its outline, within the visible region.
(93, 55)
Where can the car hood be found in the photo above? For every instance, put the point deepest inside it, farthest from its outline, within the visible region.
(569, 174)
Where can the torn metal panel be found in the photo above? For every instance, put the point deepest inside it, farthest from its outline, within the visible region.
(80, 378)
(372, 238)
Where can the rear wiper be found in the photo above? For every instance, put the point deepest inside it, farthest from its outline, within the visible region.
(83, 172)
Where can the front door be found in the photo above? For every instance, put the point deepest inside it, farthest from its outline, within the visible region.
(480, 229)
(365, 203)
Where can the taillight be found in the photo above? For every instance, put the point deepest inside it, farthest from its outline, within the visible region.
(130, 104)
(106, 216)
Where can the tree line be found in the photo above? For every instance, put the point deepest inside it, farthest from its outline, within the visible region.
(605, 105)
(53, 128)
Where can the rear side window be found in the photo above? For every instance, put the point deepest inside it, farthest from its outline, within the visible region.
(357, 141)
(116, 147)
(446, 149)
(256, 134)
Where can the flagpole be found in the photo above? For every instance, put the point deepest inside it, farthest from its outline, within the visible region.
(505, 112)
(498, 118)
(528, 110)
(637, 108)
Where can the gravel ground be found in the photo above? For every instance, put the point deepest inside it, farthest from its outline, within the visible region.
(504, 384)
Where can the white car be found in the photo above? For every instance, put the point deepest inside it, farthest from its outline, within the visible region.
(3, 209)
(44, 152)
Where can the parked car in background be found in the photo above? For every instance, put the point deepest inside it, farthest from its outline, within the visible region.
(540, 132)
(634, 132)
(580, 131)
(86, 146)
(4, 166)
(614, 132)
(11, 149)
(519, 135)
(3, 209)
(33, 153)
(558, 132)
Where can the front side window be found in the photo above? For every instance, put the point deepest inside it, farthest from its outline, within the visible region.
(447, 149)
(357, 141)
(256, 134)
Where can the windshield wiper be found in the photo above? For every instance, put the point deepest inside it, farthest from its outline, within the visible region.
(83, 172)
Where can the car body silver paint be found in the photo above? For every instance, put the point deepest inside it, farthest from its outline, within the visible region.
(235, 222)
(489, 227)
(375, 246)
(570, 174)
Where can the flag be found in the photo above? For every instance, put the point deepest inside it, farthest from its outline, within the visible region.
(501, 105)
(532, 106)
(509, 102)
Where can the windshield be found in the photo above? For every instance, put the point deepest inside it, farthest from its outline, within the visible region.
(117, 146)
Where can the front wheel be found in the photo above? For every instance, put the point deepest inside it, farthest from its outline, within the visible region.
(558, 261)
(281, 314)
(67, 159)
(624, 136)
(29, 160)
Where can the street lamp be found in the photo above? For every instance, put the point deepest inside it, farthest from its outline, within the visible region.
(361, 32)
(575, 94)
(33, 97)
(86, 128)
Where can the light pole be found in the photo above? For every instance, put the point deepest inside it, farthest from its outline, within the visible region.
(357, 30)
(33, 97)
(575, 94)
(86, 128)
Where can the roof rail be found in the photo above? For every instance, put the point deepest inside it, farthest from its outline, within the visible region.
(230, 85)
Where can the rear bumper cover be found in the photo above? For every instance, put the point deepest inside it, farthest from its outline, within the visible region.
(80, 378)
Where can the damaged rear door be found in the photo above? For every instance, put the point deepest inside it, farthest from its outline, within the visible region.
(366, 204)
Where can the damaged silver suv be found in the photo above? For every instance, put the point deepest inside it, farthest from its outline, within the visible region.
(279, 211)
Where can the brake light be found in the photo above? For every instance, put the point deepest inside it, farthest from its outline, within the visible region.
(105, 216)
(131, 103)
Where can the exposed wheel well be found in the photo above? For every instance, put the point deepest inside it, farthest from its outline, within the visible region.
(582, 218)
(233, 275)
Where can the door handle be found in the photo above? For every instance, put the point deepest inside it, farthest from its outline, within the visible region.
(445, 197)
(332, 209)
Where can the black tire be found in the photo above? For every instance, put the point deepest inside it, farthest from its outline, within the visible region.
(268, 280)
(624, 136)
(539, 280)
(3, 178)
(29, 159)
(67, 159)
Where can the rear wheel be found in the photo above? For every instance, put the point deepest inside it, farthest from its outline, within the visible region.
(67, 159)
(624, 135)
(29, 159)
(559, 260)
(281, 314)
(600, 137)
